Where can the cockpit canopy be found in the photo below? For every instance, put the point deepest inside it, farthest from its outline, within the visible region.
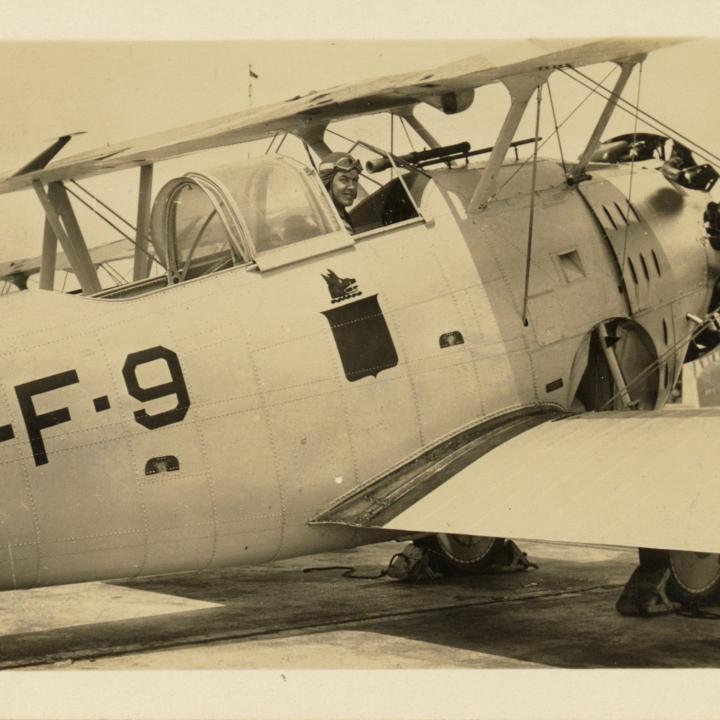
(235, 214)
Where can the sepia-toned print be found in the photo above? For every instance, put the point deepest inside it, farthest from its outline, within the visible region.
(415, 371)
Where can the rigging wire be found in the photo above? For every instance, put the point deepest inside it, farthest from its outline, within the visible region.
(310, 157)
(701, 153)
(280, 144)
(102, 204)
(117, 215)
(107, 272)
(532, 207)
(340, 135)
(667, 127)
(116, 228)
(353, 143)
(557, 129)
(392, 142)
(407, 134)
(272, 140)
(122, 277)
(550, 137)
(112, 277)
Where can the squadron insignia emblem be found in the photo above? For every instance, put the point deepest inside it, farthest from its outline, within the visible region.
(361, 333)
(340, 288)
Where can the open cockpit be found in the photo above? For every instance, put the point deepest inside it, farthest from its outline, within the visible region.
(265, 213)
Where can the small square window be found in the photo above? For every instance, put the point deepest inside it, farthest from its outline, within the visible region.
(571, 265)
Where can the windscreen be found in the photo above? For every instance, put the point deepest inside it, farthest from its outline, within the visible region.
(276, 203)
(198, 230)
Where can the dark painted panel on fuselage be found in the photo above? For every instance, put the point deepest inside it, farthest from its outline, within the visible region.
(362, 338)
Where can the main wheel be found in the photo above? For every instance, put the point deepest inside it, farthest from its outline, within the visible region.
(694, 575)
(463, 554)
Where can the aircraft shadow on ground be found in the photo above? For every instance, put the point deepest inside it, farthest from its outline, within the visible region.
(560, 616)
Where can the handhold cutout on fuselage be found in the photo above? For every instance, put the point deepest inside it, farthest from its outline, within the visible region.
(449, 339)
(163, 463)
(554, 385)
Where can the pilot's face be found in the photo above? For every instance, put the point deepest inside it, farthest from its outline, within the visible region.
(344, 187)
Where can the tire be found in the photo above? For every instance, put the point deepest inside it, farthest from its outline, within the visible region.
(693, 576)
(458, 555)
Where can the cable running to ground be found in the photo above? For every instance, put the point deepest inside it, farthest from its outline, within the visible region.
(532, 207)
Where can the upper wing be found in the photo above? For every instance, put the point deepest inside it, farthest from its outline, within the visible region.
(341, 102)
(635, 479)
(110, 252)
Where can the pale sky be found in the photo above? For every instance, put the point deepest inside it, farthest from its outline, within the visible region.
(123, 89)
(119, 91)
(116, 91)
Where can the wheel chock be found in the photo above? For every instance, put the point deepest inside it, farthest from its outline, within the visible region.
(511, 559)
(645, 594)
(413, 564)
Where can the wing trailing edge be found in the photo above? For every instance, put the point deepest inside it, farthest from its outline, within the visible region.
(631, 479)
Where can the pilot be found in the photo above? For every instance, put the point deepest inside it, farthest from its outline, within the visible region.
(339, 173)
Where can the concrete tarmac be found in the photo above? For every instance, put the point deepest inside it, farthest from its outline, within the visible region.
(277, 616)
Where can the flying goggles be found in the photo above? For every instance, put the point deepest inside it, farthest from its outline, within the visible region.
(345, 164)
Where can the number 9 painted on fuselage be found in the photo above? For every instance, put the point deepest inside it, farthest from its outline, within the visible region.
(176, 387)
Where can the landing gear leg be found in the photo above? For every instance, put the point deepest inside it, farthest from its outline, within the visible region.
(667, 581)
(645, 593)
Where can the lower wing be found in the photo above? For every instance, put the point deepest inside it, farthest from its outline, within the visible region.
(635, 479)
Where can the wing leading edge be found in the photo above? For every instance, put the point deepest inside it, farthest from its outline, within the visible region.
(345, 101)
(635, 479)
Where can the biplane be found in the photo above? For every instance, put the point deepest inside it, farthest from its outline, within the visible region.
(485, 354)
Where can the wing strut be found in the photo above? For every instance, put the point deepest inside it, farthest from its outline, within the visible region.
(408, 115)
(59, 213)
(49, 257)
(521, 88)
(626, 69)
(314, 136)
(142, 259)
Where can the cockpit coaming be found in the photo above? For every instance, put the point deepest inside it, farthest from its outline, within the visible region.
(270, 212)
